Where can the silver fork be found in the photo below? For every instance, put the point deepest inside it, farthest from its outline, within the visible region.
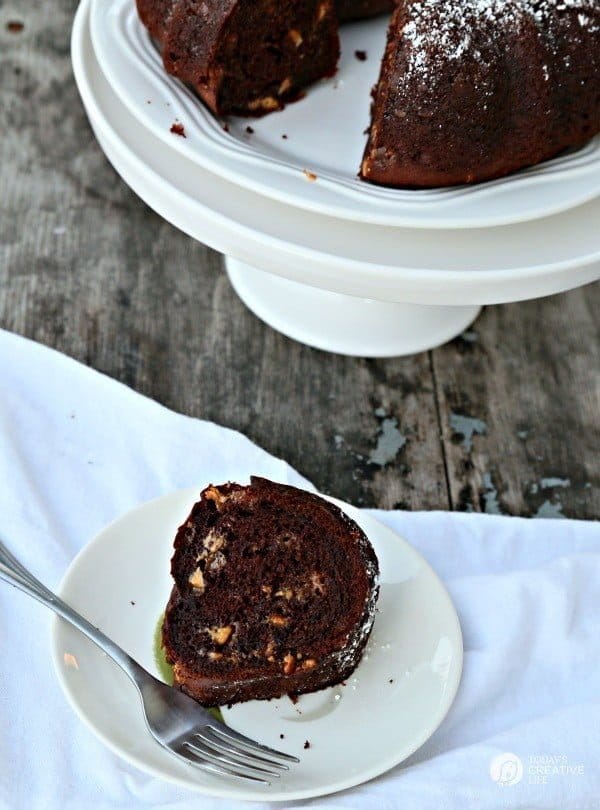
(176, 722)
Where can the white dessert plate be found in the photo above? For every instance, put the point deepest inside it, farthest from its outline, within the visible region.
(396, 699)
(324, 135)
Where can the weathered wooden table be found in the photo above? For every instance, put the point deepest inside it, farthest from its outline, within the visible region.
(505, 419)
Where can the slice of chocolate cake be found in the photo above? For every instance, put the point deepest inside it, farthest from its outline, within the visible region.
(275, 593)
(246, 57)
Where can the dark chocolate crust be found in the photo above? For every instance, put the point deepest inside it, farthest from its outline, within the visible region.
(475, 90)
(275, 592)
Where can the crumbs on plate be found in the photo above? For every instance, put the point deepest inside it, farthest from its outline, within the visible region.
(177, 128)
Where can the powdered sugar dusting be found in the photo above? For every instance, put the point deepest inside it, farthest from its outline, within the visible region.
(439, 33)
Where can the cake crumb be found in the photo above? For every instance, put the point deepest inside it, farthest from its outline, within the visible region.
(249, 130)
(311, 176)
(132, 602)
(225, 127)
(361, 55)
(70, 661)
(391, 680)
(281, 736)
(178, 129)
(284, 137)
(306, 745)
(14, 26)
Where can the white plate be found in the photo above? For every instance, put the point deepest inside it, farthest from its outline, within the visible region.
(325, 135)
(356, 731)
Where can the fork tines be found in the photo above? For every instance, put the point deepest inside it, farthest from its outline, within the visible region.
(219, 749)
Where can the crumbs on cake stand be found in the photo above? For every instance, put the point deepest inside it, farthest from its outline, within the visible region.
(177, 128)
(306, 745)
(361, 55)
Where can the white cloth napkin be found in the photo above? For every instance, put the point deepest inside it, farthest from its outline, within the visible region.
(78, 449)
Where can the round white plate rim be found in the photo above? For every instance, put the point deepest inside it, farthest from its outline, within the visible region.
(191, 494)
(256, 183)
(394, 274)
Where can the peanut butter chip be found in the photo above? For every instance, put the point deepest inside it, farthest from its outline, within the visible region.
(289, 664)
(213, 494)
(266, 103)
(196, 580)
(221, 635)
(284, 86)
(296, 37)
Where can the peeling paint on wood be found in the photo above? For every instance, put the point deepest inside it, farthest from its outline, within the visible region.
(490, 496)
(467, 427)
(551, 483)
(389, 443)
(550, 509)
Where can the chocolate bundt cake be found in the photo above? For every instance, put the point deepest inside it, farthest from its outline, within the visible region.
(469, 90)
(245, 57)
(274, 594)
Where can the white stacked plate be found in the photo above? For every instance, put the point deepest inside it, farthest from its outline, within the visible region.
(319, 255)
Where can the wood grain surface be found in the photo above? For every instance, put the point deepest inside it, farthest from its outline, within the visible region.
(504, 419)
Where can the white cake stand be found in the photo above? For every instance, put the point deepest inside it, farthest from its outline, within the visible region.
(336, 284)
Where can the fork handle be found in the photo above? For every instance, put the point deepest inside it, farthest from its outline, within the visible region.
(14, 573)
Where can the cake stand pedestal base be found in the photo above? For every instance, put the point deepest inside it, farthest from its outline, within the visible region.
(359, 327)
